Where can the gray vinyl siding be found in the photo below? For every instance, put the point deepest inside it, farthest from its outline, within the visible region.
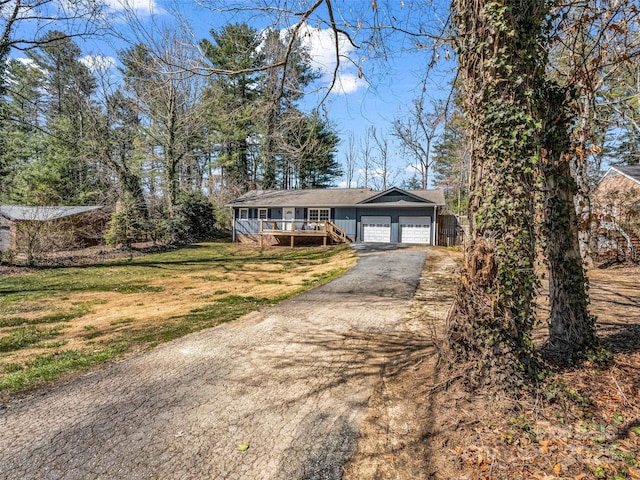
(247, 227)
(345, 219)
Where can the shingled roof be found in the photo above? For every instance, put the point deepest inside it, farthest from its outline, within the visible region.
(632, 173)
(41, 214)
(334, 197)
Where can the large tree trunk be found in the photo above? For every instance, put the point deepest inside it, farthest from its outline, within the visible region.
(501, 65)
(571, 327)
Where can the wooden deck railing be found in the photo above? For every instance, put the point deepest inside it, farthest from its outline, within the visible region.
(303, 228)
(337, 234)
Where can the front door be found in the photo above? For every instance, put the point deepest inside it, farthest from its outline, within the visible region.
(289, 215)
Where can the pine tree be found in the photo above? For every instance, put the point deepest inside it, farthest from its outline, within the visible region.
(451, 164)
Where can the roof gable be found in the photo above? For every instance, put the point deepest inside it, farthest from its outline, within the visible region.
(395, 194)
(632, 173)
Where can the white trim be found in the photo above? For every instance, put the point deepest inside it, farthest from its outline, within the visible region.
(618, 173)
(246, 212)
(266, 213)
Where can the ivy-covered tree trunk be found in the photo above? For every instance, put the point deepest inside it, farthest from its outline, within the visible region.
(501, 66)
(571, 327)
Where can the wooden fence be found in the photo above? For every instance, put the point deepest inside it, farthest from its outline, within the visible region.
(450, 231)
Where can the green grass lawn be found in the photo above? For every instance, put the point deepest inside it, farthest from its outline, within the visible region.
(61, 320)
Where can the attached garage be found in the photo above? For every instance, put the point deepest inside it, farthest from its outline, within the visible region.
(415, 230)
(376, 229)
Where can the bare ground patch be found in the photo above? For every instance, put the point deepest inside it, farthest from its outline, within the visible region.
(394, 440)
(583, 423)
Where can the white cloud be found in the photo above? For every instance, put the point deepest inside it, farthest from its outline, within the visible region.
(377, 173)
(25, 61)
(98, 62)
(321, 47)
(143, 7)
(347, 83)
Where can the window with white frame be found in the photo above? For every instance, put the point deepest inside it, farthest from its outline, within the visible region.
(319, 214)
(263, 213)
(244, 214)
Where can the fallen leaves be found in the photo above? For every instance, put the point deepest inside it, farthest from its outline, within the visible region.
(586, 431)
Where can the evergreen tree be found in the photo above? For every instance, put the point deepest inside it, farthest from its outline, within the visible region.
(52, 120)
(280, 89)
(21, 130)
(231, 98)
(121, 150)
(451, 164)
(310, 147)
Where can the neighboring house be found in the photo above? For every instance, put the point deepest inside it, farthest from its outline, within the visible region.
(338, 215)
(14, 218)
(5, 234)
(616, 205)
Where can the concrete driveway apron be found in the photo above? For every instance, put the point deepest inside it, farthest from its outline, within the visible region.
(291, 381)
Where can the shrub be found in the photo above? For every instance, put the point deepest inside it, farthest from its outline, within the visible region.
(193, 219)
(126, 227)
(8, 257)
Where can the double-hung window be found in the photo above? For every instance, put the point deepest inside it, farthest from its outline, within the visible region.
(263, 213)
(244, 214)
(319, 214)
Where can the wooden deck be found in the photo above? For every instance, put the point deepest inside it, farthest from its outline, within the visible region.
(303, 229)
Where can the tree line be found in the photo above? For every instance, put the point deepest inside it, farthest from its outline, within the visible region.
(155, 132)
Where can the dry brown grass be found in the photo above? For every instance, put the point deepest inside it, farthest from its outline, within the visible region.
(128, 304)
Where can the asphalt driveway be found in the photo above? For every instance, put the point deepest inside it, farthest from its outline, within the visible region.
(292, 382)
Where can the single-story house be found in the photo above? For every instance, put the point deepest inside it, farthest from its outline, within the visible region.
(11, 216)
(339, 215)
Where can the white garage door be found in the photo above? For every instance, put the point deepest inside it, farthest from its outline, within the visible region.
(415, 230)
(376, 229)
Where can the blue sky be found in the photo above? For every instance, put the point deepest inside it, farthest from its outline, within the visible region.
(386, 89)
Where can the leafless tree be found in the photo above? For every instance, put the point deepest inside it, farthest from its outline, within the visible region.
(385, 174)
(594, 45)
(367, 162)
(417, 131)
(350, 160)
(169, 99)
(76, 17)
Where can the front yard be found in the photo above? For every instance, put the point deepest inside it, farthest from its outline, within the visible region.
(60, 320)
